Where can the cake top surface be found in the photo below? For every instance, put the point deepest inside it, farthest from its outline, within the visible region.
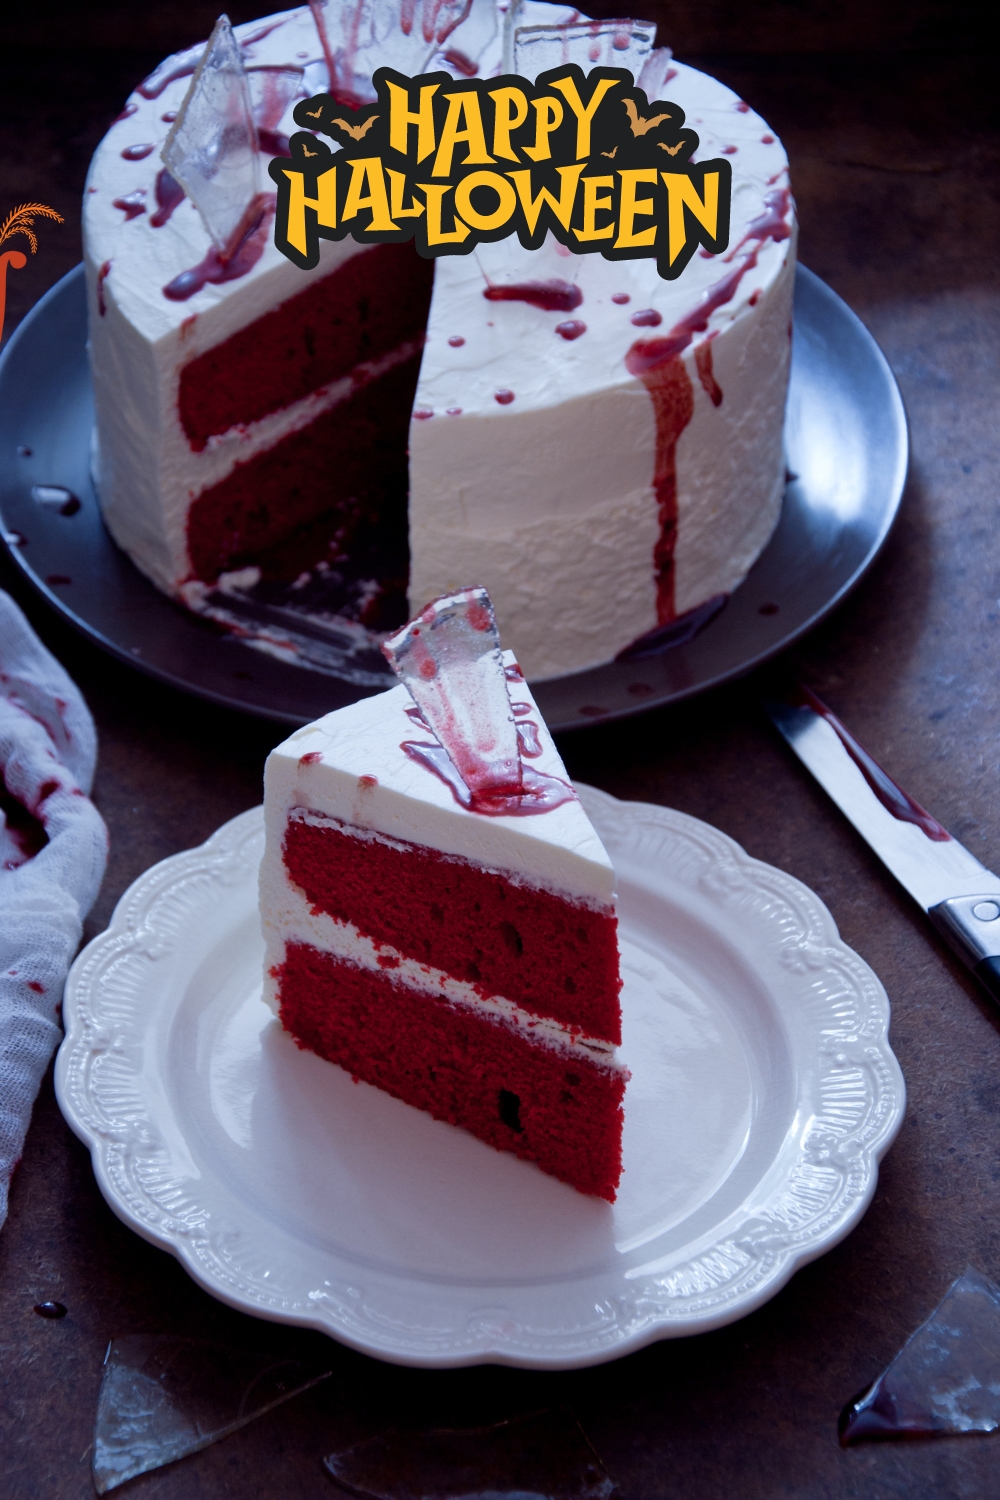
(137, 244)
(351, 765)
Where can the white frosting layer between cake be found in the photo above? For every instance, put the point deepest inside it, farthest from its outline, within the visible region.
(362, 776)
(287, 918)
(548, 500)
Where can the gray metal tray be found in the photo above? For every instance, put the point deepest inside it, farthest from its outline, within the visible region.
(847, 450)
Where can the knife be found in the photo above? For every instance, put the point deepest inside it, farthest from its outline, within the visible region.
(961, 897)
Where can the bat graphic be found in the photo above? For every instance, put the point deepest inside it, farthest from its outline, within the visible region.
(639, 125)
(610, 154)
(670, 150)
(356, 132)
(314, 114)
(307, 152)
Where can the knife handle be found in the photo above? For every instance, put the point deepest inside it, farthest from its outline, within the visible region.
(971, 927)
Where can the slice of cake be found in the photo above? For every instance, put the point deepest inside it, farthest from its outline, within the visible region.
(439, 911)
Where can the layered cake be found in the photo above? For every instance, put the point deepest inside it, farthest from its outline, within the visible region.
(602, 447)
(439, 911)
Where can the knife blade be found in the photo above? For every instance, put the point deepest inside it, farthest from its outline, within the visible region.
(958, 893)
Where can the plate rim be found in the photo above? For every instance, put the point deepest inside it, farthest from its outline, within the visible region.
(810, 946)
(543, 687)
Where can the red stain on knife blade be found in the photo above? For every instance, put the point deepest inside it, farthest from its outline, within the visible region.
(891, 796)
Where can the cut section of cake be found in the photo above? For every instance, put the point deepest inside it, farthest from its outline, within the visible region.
(439, 911)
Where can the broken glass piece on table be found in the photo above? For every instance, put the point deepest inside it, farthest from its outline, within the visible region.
(592, 44)
(212, 146)
(543, 1456)
(945, 1379)
(162, 1398)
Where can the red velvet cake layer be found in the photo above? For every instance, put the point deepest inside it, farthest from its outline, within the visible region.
(530, 946)
(349, 464)
(370, 305)
(562, 1112)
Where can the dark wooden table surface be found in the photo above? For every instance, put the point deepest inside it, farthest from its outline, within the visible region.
(886, 114)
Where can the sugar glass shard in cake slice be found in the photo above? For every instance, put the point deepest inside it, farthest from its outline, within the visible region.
(592, 44)
(463, 960)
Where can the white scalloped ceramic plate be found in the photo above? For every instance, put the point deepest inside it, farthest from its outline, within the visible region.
(763, 1093)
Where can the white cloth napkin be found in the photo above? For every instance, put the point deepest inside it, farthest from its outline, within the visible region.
(47, 752)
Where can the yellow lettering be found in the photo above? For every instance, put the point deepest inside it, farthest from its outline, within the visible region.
(511, 108)
(435, 234)
(505, 208)
(397, 184)
(630, 238)
(584, 114)
(324, 205)
(465, 105)
(368, 170)
(562, 206)
(681, 194)
(401, 117)
(548, 117)
(593, 204)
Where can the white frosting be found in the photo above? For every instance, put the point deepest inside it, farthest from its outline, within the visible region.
(557, 850)
(287, 918)
(549, 500)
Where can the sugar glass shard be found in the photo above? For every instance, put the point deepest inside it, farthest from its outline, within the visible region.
(212, 148)
(946, 1378)
(162, 1398)
(592, 44)
(358, 36)
(449, 658)
(544, 1456)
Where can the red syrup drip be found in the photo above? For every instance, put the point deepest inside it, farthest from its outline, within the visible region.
(571, 329)
(169, 194)
(102, 276)
(50, 1309)
(892, 797)
(140, 152)
(273, 143)
(742, 106)
(678, 632)
(730, 150)
(513, 673)
(453, 411)
(771, 224)
(550, 296)
(456, 341)
(538, 793)
(422, 413)
(647, 318)
(132, 205)
(657, 363)
(214, 268)
(504, 397)
(311, 758)
(620, 298)
(703, 364)
(767, 140)
(169, 116)
(461, 63)
(126, 113)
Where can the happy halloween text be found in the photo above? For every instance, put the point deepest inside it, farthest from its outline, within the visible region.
(453, 164)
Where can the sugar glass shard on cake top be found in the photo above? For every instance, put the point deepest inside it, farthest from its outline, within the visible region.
(446, 948)
(212, 149)
(592, 44)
